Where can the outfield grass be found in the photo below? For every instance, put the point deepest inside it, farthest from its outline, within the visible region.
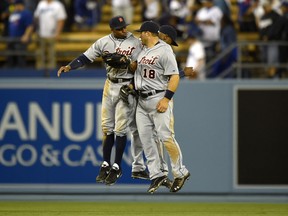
(54, 208)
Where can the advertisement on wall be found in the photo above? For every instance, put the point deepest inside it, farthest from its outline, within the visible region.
(52, 135)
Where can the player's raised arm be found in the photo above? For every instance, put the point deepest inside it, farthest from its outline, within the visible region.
(78, 62)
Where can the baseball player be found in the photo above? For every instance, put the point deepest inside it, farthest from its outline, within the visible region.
(116, 116)
(169, 34)
(156, 79)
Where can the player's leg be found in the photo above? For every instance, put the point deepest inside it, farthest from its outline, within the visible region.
(164, 166)
(138, 164)
(107, 117)
(145, 127)
(121, 128)
(165, 129)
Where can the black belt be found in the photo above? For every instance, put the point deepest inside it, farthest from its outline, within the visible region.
(150, 93)
(119, 80)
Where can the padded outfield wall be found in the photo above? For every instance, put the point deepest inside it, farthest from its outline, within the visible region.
(233, 135)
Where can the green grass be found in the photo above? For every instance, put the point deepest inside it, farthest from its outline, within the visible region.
(139, 208)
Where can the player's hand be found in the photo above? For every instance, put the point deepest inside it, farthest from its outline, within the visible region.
(162, 105)
(133, 66)
(190, 72)
(64, 69)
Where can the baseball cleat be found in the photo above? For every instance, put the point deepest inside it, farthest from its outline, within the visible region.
(167, 183)
(156, 183)
(140, 175)
(103, 173)
(113, 176)
(179, 182)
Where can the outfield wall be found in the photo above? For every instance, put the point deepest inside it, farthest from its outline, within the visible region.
(50, 136)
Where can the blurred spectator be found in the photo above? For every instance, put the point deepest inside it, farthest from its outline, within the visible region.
(224, 5)
(85, 14)
(123, 8)
(5, 11)
(20, 31)
(50, 16)
(178, 15)
(69, 22)
(279, 32)
(196, 55)
(228, 38)
(165, 6)
(151, 10)
(31, 4)
(270, 52)
(192, 27)
(208, 18)
(258, 9)
(193, 6)
(246, 17)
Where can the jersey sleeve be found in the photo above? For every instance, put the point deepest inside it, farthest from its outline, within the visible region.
(169, 62)
(94, 51)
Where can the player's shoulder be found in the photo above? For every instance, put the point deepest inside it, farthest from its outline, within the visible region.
(132, 37)
(105, 38)
(164, 46)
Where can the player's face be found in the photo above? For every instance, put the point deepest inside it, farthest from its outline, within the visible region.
(144, 37)
(120, 33)
(165, 38)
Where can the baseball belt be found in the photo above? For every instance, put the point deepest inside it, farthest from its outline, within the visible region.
(150, 93)
(119, 80)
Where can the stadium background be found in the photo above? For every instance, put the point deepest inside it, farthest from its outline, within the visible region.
(51, 140)
(206, 127)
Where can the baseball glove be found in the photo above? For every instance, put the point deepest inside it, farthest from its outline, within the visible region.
(116, 60)
(124, 93)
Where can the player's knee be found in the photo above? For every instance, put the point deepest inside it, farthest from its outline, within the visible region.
(164, 136)
(107, 131)
(120, 133)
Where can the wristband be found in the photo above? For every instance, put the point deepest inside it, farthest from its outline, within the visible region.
(169, 94)
(181, 73)
(78, 62)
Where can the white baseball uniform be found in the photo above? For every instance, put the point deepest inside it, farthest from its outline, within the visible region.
(117, 116)
(155, 65)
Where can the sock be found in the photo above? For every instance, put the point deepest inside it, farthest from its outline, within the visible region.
(105, 164)
(115, 166)
(120, 147)
(108, 142)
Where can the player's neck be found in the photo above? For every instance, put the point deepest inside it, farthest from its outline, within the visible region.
(152, 42)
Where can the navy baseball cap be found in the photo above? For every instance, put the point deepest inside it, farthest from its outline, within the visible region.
(150, 26)
(171, 32)
(118, 22)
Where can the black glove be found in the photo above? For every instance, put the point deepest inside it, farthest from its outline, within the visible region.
(116, 60)
(124, 93)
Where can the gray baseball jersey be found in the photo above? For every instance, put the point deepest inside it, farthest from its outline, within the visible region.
(129, 46)
(115, 114)
(154, 67)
